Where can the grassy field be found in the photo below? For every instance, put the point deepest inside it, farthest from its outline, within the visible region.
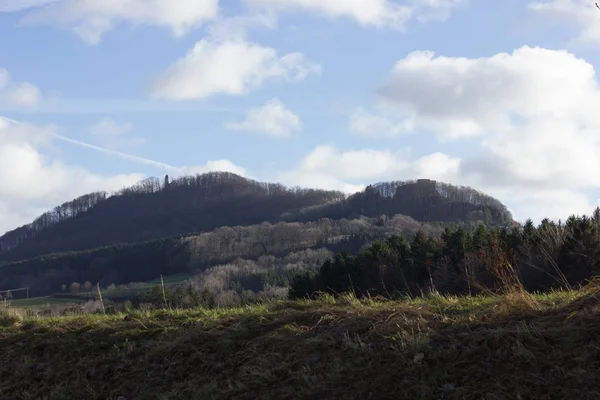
(43, 301)
(503, 347)
(139, 288)
(114, 294)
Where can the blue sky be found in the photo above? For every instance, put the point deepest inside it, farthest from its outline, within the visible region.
(497, 95)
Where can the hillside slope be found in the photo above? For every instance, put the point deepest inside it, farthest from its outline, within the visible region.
(436, 348)
(153, 210)
(122, 264)
(150, 211)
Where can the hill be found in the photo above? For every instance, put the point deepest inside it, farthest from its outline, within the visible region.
(503, 347)
(150, 210)
(187, 205)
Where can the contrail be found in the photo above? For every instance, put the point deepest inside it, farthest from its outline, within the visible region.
(119, 154)
(126, 156)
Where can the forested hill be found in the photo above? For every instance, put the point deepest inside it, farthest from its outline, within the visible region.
(428, 200)
(156, 208)
(153, 209)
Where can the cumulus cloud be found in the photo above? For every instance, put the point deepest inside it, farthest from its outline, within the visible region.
(378, 13)
(272, 119)
(351, 164)
(538, 132)
(213, 66)
(217, 166)
(237, 27)
(31, 181)
(534, 131)
(365, 12)
(91, 19)
(329, 167)
(580, 14)
(114, 135)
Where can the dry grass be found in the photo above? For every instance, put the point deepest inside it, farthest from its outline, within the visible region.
(432, 348)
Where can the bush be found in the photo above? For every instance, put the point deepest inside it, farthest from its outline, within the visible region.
(7, 320)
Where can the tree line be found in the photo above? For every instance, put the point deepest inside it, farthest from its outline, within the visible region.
(550, 255)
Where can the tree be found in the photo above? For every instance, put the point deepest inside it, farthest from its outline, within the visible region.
(75, 287)
(480, 238)
(87, 286)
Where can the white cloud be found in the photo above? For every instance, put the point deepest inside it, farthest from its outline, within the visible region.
(537, 124)
(435, 10)
(378, 13)
(18, 94)
(365, 12)
(273, 119)
(218, 166)
(351, 164)
(537, 127)
(31, 181)
(24, 94)
(91, 19)
(231, 67)
(237, 27)
(329, 167)
(114, 135)
(554, 204)
(534, 131)
(367, 124)
(581, 14)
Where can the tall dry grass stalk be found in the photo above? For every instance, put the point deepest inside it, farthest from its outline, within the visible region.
(509, 288)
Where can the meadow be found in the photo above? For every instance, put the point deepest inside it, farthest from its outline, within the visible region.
(515, 345)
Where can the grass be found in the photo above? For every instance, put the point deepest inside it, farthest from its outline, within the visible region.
(121, 294)
(501, 347)
(176, 279)
(114, 294)
(43, 301)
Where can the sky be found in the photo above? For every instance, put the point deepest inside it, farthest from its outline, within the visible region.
(501, 96)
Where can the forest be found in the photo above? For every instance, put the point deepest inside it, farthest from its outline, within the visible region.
(552, 255)
(155, 209)
(126, 263)
(455, 260)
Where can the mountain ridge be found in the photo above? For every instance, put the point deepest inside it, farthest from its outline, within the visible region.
(152, 210)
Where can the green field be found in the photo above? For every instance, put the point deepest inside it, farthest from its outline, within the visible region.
(170, 281)
(513, 346)
(42, 301)
(176, 279)
(116, 294)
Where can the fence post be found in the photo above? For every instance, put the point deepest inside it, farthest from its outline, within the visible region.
(100, 295)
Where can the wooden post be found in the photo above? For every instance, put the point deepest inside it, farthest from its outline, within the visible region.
(162, 284)
(100, 296)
